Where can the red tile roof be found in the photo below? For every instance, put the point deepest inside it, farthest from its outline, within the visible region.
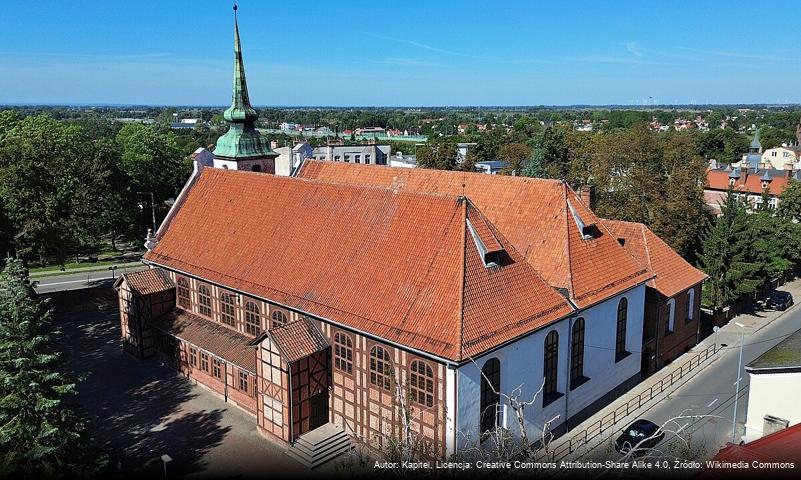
(781, 446)
(298, 339)
(399, 266)
(145, 282)
(210, 336)
(533, 214)
(673, 273)
(750, 182)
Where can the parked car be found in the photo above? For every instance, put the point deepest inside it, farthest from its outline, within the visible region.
(637, 432)
(780, 300)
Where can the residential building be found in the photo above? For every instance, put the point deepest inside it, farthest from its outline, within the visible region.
(402, 161)
(768, 456)
(290, 159)
(781, 158)
(774, 388)
(672, 299)
(365, 154)
(288, 127)
(748, 183)
(492, 167)
(462, 149)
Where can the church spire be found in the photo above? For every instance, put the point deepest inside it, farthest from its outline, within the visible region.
(240, 111)
(242, 146)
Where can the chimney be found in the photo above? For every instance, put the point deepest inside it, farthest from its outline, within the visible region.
(587, 196)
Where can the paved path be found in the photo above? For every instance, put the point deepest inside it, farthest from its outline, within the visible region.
(708, 392)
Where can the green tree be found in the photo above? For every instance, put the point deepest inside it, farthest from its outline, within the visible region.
(40, 435)
(790, 201)
(515, 154)
(439, 154)
(152, 160)
(726, 256)
(535, 167)
(51, 177)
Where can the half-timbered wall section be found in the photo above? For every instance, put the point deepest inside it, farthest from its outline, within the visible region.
(136, 311)
(273, 395)
(361, 404)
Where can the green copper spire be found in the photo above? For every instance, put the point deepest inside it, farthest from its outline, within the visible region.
(242, 140)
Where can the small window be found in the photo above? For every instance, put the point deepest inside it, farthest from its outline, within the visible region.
(380, 368)
(204, 361)
(358, 159)
(367, 159)
(244, 381)
(690, 305)
(256, 168)
(277, 319)
(216, 368)
(204, 300)
(421, 382)
(228, 309)
(252, 319)
(343, 352)
(182, 292)
(193, 356)
(670, 315)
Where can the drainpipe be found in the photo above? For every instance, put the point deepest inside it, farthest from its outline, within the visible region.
(569, 359)
(225, 380)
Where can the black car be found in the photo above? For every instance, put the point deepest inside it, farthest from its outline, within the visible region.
(780, 300)
(637, 432)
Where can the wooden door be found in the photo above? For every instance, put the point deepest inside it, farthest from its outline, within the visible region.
(310, 381)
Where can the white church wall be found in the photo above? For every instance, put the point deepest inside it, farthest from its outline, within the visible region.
(522, 366)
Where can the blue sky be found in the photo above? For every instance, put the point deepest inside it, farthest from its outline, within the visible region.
(431, 52)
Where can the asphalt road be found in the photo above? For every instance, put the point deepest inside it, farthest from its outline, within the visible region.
(76, 281)
(710, 394)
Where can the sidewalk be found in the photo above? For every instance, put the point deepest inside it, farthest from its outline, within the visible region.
(597, 429)
(93, 268)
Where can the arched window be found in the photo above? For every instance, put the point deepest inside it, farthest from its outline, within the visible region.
(256, 168)
(204, 300)
(690, 305)
(670, 316)
(421, 383)
(182, 292)
(550, 367)
(380, 368)
(228, 309)
(278, 318)
(252, 318)
(490, 394)
(620, 337)
(577, 354)
(343, 352)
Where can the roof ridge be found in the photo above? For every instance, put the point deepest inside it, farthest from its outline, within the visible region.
(647, 248)
(462, 282)
(570, 289)
(335, 183)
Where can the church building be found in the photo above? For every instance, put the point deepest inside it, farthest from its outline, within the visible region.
(334, 297)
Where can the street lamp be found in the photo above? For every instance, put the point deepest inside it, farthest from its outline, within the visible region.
(166, 459)
(737, 388)
(152, 207)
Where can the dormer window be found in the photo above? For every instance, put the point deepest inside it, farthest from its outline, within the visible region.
(491, 251)
(588, 230)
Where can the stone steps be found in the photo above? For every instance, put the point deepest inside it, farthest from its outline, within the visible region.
(319, 446)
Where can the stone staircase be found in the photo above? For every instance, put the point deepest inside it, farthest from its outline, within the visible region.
(320, 445)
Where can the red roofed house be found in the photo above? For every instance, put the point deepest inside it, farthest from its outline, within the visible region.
(672, 299)
(316, 303)
(770, 455)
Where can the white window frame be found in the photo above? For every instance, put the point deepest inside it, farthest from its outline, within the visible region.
(671, 316)
(690, 303)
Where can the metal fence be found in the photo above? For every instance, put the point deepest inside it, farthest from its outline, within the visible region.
(582, 437)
